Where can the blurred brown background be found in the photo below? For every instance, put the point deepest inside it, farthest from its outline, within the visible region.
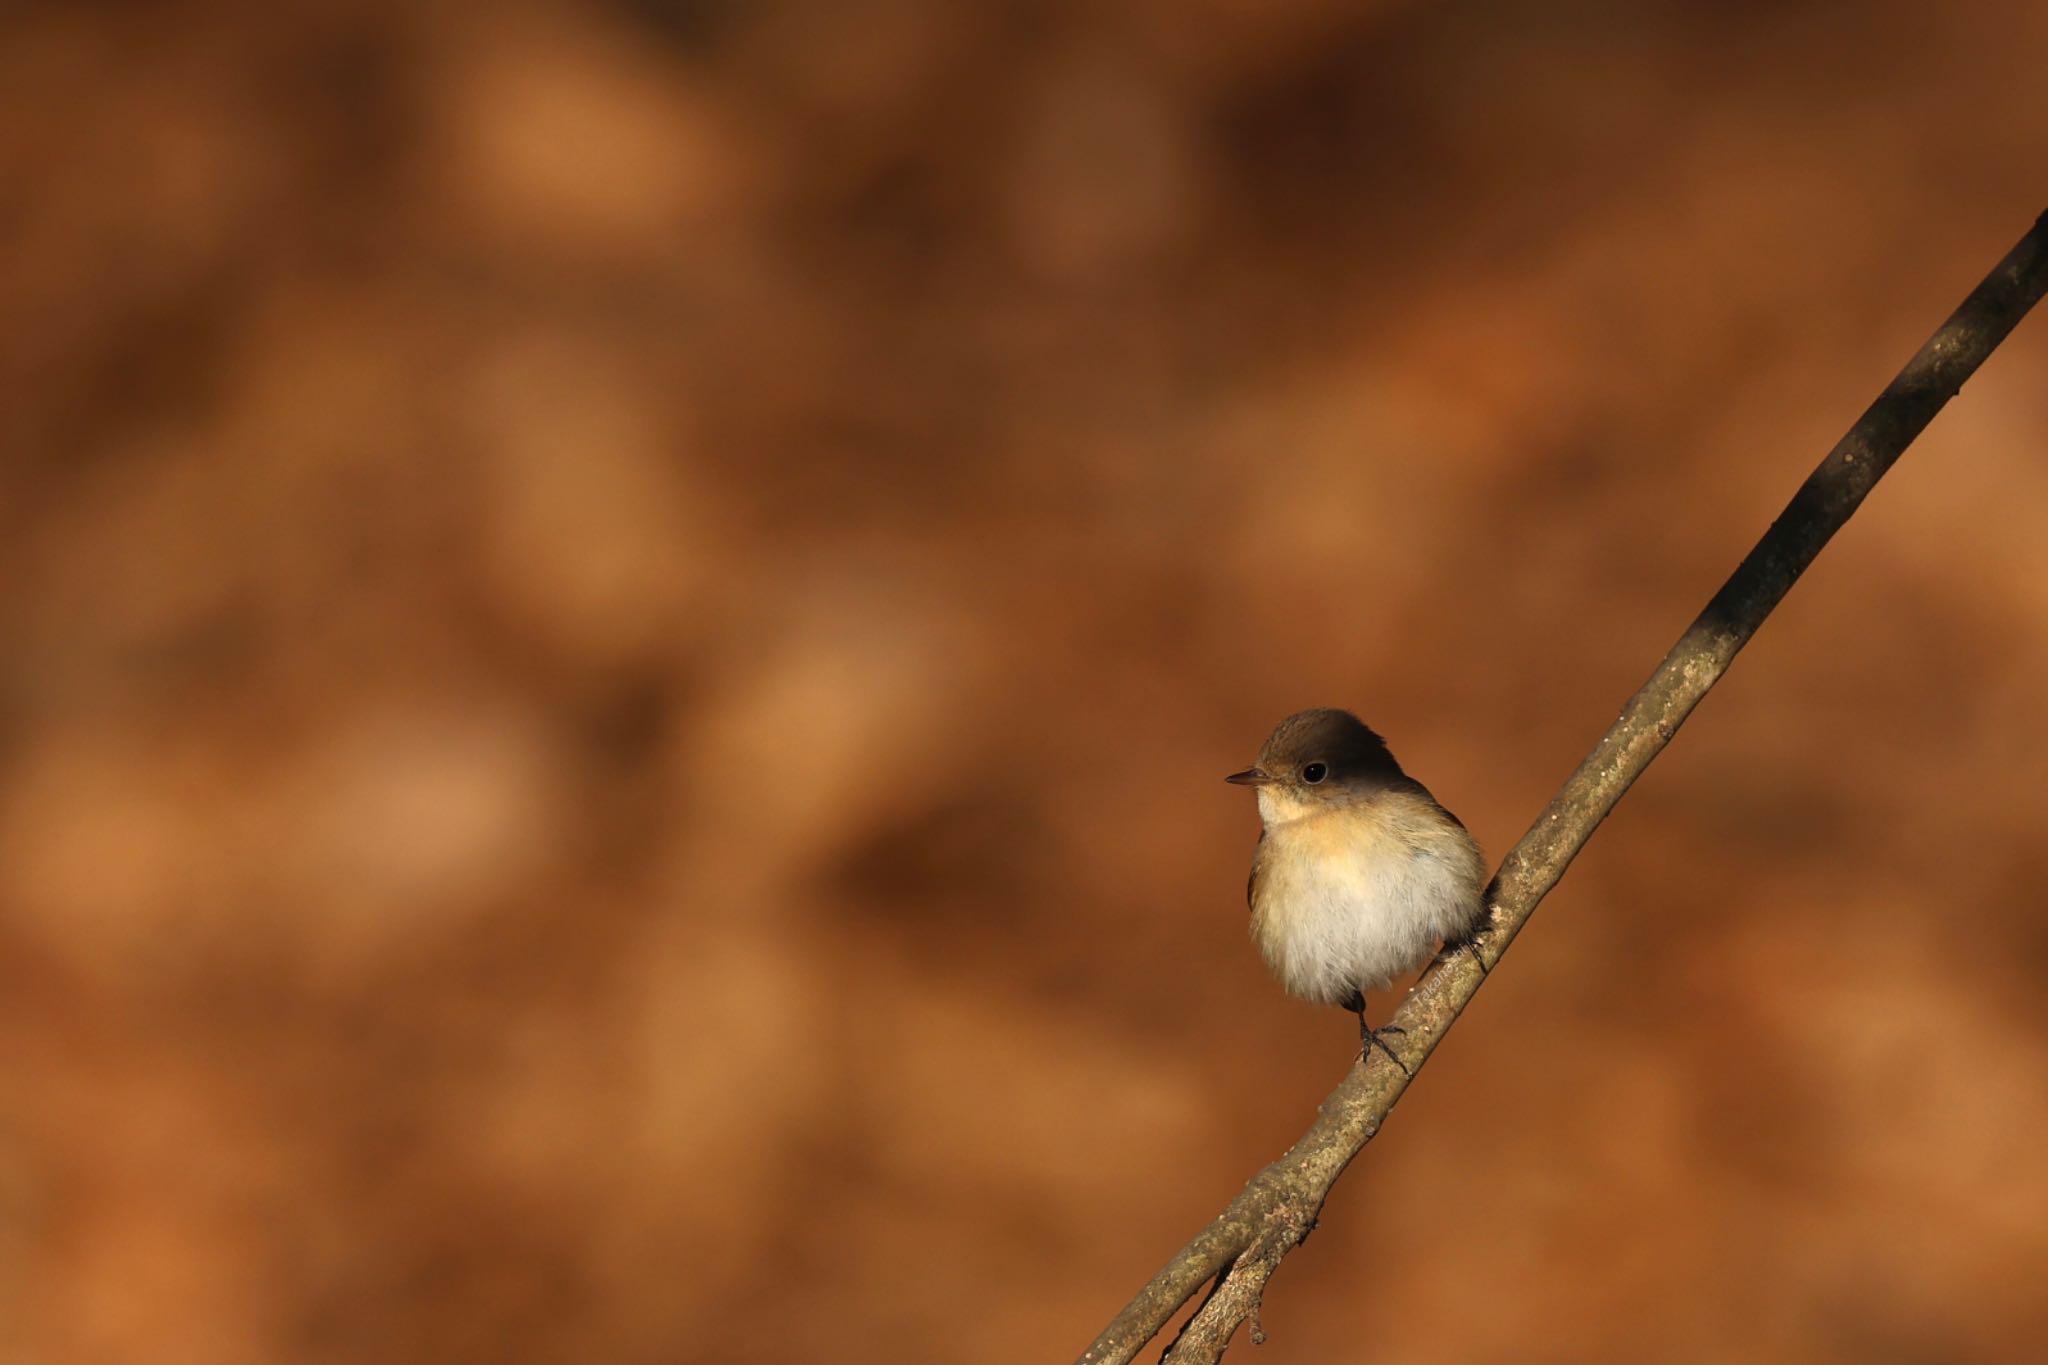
(621, 622)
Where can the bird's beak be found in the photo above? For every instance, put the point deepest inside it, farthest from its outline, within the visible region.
(1250, 777)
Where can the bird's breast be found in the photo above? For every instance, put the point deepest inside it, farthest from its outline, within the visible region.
(1350, 899)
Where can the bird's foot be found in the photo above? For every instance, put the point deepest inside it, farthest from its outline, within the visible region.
(1370, 1038)
(1471, 945)
(1468, 945)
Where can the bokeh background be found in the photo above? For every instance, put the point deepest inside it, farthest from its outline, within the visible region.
(621, 622)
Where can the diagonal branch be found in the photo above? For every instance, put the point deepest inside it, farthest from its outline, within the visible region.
(1268, 1219)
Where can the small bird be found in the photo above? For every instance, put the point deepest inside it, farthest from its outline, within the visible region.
(1359, 872)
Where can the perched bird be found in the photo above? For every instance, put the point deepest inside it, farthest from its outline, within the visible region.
(1359, 872)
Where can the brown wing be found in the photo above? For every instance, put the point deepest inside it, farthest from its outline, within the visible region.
(1409, 784)
(1251, 885)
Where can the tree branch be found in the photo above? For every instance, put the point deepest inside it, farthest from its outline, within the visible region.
(1268, 1219)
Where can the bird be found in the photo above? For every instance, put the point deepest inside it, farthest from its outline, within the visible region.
(1359, 873)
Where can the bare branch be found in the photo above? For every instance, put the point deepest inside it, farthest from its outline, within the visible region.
(1241, 1248)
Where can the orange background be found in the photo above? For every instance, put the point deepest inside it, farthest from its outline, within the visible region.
(621, 622)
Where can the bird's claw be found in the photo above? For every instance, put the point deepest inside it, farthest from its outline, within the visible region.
(1370, 1038)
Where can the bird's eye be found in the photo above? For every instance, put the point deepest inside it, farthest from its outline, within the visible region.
(1314, 773)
